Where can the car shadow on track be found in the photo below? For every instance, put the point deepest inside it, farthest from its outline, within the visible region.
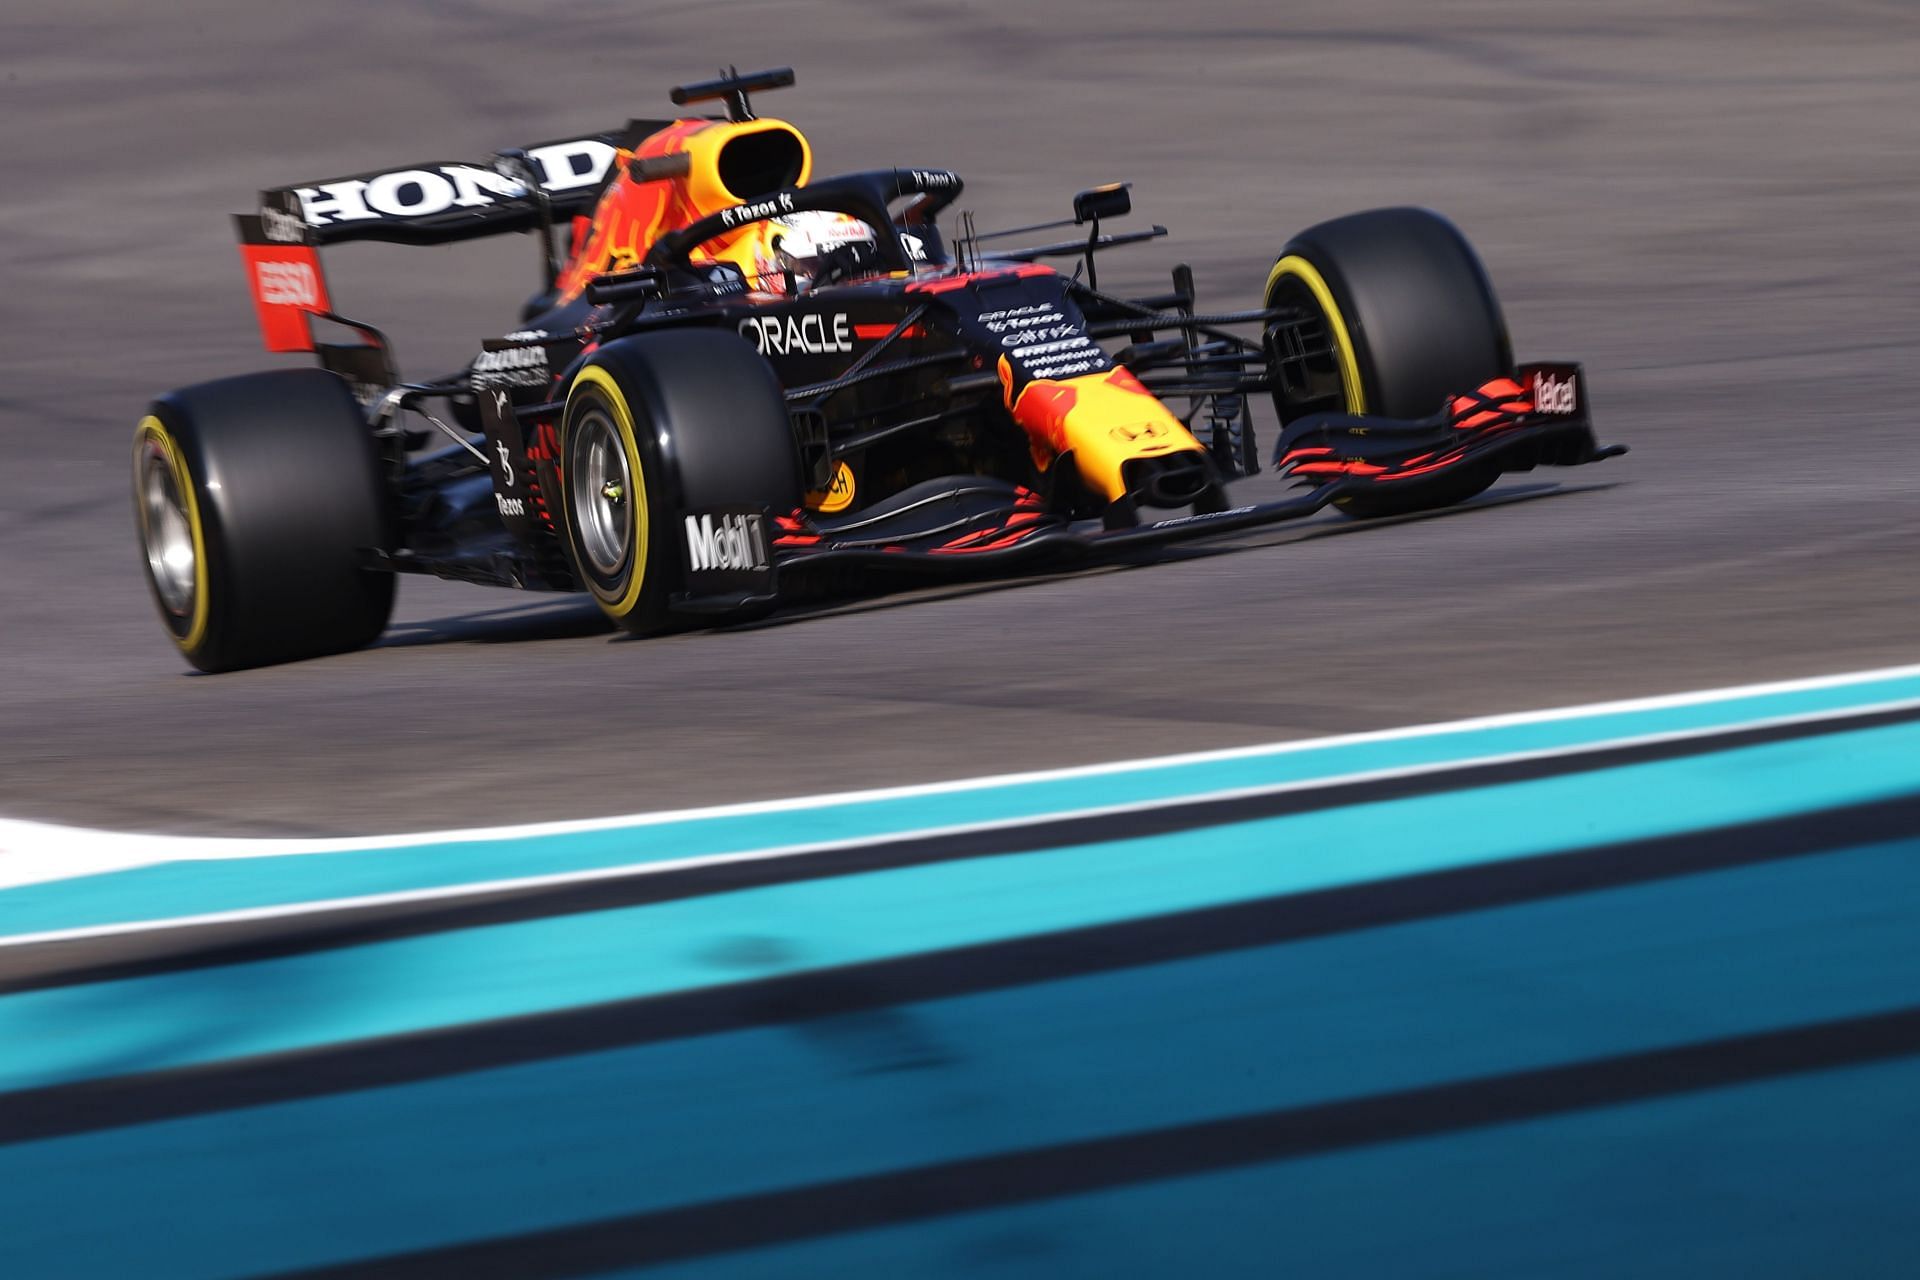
(574, 617)
(1225, 544)
(548, 618)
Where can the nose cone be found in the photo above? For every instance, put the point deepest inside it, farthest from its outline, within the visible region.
(1110, 423)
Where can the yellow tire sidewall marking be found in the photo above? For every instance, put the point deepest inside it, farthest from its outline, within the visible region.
(1309, 275)
(154, 430)
(616, 400)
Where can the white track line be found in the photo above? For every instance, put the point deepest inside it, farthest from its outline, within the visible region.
(18, 836)
(34, 852)
(479, 888)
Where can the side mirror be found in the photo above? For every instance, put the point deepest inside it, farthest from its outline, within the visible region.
(1110, 201)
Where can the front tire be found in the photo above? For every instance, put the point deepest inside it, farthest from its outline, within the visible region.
(257, 500)
(657, 424)
(1400, 316)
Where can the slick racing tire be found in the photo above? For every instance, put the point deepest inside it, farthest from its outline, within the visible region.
(258, 500)
(655, 425)
(1408, 318)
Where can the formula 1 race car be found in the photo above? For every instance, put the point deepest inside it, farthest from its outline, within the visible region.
(739, 386)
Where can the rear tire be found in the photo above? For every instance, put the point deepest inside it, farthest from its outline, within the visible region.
(656, 424)
(257, 499)
(1410, 318)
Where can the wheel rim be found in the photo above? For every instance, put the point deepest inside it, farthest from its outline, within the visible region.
(600, 493)
(168, 533)
(1319, 365)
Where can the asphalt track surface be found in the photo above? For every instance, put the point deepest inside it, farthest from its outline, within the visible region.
(1714, 209)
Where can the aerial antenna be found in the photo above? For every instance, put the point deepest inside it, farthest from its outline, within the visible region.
(738, 107)
(966, 249)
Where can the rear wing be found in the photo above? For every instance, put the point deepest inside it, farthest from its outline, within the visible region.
(421, 204)
(442, 203)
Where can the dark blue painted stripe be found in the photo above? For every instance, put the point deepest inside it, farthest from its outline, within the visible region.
(1791, 1178)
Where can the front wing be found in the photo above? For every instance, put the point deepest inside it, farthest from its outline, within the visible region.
(970, 525)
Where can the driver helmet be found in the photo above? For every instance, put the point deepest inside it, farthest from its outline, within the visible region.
(803, 243)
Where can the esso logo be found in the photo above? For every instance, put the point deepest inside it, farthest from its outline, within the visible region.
(288, 284)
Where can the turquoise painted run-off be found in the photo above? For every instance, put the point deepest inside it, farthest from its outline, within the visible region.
(1797, 1173)
(193, 888)
(503, 970)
